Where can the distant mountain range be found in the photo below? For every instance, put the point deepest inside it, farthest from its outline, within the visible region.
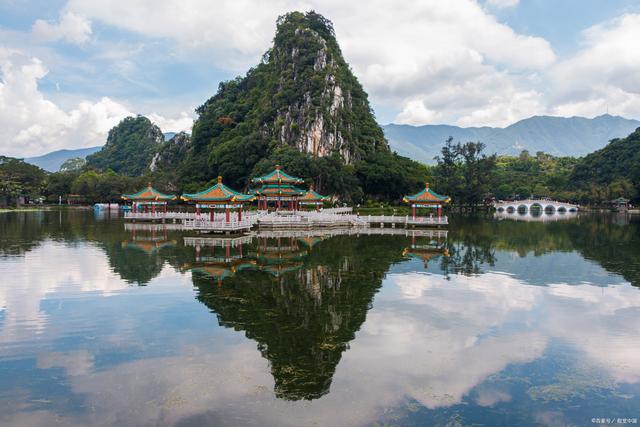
(52, 161)
(560, 136)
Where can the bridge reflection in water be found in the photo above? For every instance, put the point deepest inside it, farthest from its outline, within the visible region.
(535, 215)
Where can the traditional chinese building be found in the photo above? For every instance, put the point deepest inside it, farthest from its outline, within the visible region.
(146, 197)
(313, 199)
(426, 198)
(219, 196)
(278, 187)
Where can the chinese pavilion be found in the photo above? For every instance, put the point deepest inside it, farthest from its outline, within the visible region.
(219, 196)
(312, 198)
(426, 198)
(279, 187)
(146, 197)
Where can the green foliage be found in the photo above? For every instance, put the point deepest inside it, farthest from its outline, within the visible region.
(542, 175)
(389, 176)
(611, 172)
(256, 121)
(464, 173)
(106, 186)
(130, 147)
(18, 178)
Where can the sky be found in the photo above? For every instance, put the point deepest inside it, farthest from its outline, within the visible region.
(72, 69)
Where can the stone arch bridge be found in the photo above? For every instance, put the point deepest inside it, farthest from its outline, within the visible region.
(535, 204)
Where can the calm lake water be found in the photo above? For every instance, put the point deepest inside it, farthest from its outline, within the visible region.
(500, 323)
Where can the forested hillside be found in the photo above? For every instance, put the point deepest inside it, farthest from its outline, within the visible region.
(130, 147)
(301, 107)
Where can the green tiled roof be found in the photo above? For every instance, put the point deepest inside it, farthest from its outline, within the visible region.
(218, 193)
(148, 193)
(425, 196)
(277, 176)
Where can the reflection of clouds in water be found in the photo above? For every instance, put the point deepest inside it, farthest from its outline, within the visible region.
(433, 341)
(78, 362)
(602, 322)
(487, 396)
(433, 357)
(51, 269)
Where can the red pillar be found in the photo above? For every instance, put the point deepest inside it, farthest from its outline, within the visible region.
(210, 214)
(227, 212)
(317, 207)
(439, 211)
(413, 211)
(165, 208)
(240, 213)
(198, 211)
(278, 203)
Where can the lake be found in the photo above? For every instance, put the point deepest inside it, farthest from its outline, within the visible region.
(499, 322)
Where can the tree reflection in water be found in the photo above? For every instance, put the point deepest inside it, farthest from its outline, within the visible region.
(302, 300)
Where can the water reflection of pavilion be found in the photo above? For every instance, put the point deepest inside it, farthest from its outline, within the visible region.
(148, 239)
(302, 309)
(427, 247)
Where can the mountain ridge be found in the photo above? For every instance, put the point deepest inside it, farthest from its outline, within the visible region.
(53, 160)
(561, 136)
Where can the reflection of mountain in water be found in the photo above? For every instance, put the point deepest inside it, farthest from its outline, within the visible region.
(302, 307)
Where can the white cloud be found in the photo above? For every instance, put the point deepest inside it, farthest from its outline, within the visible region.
(182, 123)
(30, 124)
(405, 55)
(500, 4)
(430, 61)
(71, 28)
(603, 74)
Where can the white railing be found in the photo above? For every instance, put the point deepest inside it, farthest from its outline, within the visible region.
(345, 210)
(418, 220)
(205, 224)
(159, 215)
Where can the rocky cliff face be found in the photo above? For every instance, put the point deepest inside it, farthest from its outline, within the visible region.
(302, 95)
(170, 153)
(324, 101)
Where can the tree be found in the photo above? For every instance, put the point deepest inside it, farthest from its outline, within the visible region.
(18, 178)
(464, 173)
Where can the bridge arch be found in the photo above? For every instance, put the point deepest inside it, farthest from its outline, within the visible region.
(550, 209)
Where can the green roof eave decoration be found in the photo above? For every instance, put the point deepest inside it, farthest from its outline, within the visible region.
(218, 193)
(312, 197)
(148, 194)
(277, 176)
(426, 195)
(278, 190)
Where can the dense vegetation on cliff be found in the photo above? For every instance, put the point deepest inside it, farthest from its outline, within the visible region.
(130, 147)
(613, 170)
(301, 107)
